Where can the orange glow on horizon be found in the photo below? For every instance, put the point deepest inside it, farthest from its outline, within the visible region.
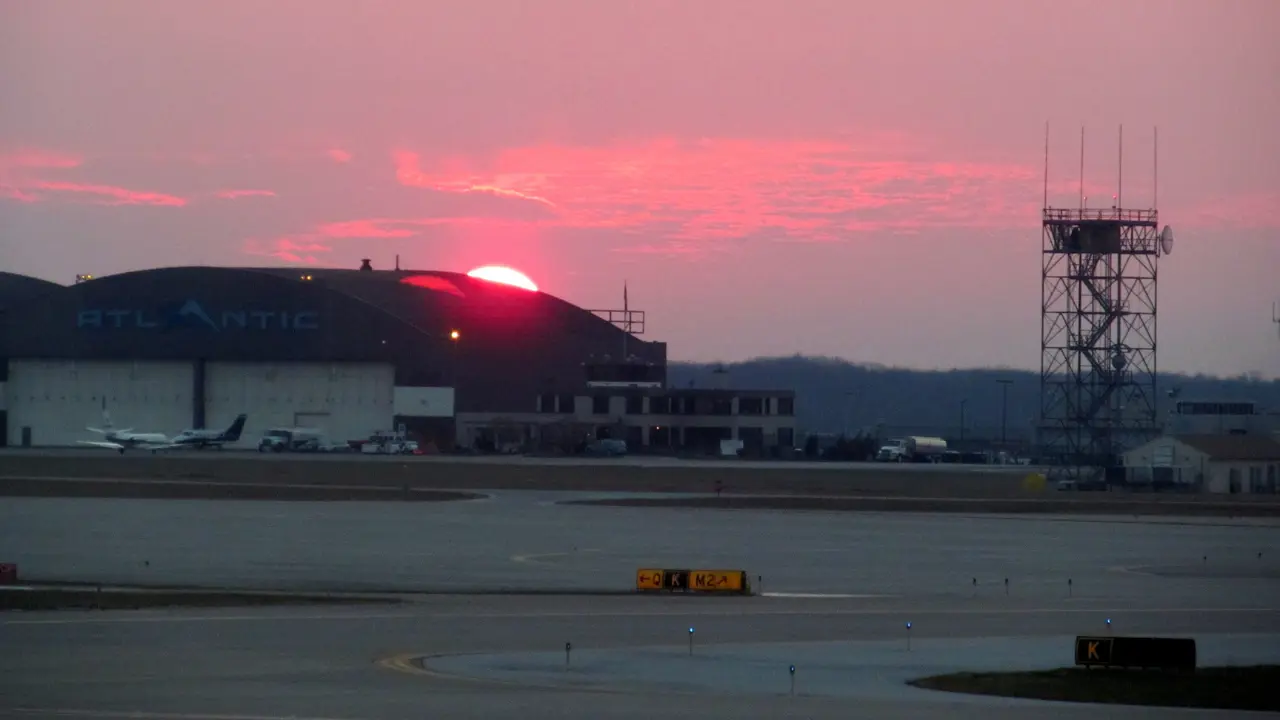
(503, 275)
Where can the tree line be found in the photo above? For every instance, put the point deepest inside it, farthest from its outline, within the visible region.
(839, 397)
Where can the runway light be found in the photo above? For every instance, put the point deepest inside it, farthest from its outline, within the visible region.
(454, 335)
(908, 626)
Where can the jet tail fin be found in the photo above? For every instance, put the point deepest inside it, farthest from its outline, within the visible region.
(232, 433)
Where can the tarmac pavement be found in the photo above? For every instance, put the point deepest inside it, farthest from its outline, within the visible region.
(837, 588)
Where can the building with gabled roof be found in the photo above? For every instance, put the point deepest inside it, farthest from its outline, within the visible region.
(1211, 463)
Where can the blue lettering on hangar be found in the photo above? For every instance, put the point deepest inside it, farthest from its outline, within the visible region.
(191, 314)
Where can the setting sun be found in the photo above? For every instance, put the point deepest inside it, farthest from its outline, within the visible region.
(503, 274)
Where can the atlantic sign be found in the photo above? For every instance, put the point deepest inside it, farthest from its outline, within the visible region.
(191, 314)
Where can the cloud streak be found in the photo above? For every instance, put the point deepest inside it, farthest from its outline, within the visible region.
(731, 188)
(23, 178)
(237, 194)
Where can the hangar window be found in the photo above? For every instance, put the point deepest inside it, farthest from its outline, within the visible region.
(600, 405)
(635, 404)
(660, 405)
(722, 406)
(547, 403)
(566, 405)
(750, 406)
(786, 406)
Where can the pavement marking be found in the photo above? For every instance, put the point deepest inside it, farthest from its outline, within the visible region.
(537, 558)
(416, 664)
(1129, 570)
(723, 612)
(147, 715)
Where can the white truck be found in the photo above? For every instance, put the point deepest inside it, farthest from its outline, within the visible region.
(291, 440)
(912, 449)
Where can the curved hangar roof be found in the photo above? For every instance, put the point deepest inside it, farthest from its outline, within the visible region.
(16, 289)
(301, 314)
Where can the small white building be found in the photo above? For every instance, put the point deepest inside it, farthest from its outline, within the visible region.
(1209, 463)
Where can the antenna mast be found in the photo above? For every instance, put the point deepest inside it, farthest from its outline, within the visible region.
(1120, 183)
(1046, 165)
(1082, 168)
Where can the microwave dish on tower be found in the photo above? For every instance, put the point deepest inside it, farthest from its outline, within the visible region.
(1166, 240)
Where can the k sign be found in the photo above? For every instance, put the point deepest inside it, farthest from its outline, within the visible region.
(191, 314)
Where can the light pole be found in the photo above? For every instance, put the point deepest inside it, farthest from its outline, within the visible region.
(1004, 408)
(962, 404)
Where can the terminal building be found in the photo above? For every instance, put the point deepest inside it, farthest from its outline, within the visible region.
(453, 360)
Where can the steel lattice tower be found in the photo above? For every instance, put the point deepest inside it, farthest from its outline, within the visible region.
(1098, 336)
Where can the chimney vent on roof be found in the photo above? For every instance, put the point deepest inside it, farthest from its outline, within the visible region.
(365, 266)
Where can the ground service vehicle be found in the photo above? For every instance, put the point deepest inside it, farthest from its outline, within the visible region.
(291, 440)
(912, 449)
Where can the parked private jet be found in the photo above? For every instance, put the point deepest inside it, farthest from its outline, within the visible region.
(126, 439)
(200, 438)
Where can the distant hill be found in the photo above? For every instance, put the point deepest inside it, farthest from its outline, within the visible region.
(833, 394)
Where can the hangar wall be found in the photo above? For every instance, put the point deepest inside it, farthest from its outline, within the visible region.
(345, 400)
(57, 399)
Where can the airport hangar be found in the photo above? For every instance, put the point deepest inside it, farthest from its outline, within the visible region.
(452, 359)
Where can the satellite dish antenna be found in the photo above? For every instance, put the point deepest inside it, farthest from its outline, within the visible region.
(1166, 240)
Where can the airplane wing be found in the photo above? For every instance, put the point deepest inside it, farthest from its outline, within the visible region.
(153, 447)
(102, 444)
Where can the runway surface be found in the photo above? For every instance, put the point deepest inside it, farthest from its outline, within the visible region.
(838, 589)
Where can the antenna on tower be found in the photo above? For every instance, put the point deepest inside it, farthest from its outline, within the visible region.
(1155, 167)
(1120, 183)
(626, 313)
(1082, 167)
(1046, 165)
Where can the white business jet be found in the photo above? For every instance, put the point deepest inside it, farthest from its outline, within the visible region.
(123, 438)
(126, 439)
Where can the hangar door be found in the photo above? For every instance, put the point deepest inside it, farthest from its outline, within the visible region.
(347, 401)
(57, 399)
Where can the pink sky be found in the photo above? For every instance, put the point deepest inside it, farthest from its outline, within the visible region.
(826, 177)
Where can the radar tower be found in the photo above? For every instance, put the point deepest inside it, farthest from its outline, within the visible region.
(1098, 330)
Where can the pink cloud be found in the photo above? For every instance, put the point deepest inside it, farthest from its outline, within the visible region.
(731, 188)
(339, 156)
(235, 194)
(21, 178)
(288, 249)
(409, 172)
(367, 228)
(112, 195)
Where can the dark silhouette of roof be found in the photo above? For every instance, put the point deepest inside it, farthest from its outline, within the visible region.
(16, 289)
(439, 301)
